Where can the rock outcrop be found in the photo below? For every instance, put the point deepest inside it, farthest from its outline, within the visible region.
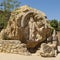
(46, 50)
(13, 46)
(31, 27)
(18, 25)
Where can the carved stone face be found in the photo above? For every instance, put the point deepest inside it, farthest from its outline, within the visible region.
(39, 23)
(31, 19)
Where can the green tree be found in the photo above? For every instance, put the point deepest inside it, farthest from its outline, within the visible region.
(10, 5)
(59, 26)
(54, 24)
(7, 6)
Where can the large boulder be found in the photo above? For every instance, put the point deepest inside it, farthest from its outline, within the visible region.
(18, 28)
(46, 50)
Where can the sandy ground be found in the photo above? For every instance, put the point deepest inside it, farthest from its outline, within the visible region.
(4, 56)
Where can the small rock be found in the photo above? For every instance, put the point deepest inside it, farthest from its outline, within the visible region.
(46, 50)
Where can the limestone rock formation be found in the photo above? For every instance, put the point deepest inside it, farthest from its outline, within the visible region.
(46, 50)
(27, 23)
(32, 27)
(13, 46)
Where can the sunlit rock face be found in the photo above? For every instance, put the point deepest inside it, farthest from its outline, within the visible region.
(46, 50)
(27, 23)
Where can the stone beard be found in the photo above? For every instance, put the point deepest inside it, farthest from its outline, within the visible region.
(31, 28)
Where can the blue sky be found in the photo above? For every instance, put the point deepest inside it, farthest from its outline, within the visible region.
(50, 7)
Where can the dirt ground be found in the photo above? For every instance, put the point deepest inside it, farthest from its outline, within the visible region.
(5, 56)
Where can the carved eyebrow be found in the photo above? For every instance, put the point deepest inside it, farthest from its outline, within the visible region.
(41, 18)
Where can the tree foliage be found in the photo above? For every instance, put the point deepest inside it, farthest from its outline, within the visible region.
(54, 24)
(9, 5)
(4, 17)
(59, 26)
(6, 7)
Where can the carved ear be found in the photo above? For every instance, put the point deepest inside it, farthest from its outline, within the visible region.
(24, 17)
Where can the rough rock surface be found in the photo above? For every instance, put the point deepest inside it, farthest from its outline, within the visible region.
(30, 26)
(18, 28)
(46, 50)
(13, 46)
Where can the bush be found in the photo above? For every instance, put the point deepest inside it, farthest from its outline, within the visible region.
(4, 18)
(54, 24)
(1, 26)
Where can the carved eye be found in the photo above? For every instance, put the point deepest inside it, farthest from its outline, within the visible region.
(45, 17)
